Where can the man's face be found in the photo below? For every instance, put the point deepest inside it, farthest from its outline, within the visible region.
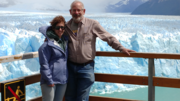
(77, 12)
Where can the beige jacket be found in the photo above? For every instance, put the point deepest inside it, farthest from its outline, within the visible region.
(82, 47)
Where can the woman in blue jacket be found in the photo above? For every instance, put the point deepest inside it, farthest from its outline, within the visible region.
(53, 55)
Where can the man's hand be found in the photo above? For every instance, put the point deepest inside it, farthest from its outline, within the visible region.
(51, 85)
(126, 51)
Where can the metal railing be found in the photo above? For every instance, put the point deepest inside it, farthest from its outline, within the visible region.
(151, 81)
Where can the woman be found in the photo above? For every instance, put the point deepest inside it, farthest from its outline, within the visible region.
(53, 60)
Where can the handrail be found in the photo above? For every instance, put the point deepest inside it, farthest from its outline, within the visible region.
(140, 55)
(116, 78)
(11, 58)
(93, 98)
(113, 78)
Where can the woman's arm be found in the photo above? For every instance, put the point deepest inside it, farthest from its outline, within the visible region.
(44, 58)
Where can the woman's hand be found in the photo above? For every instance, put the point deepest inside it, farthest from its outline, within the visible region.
(45, 39)
(52, 85)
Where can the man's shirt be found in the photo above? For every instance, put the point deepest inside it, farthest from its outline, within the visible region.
(82, 46)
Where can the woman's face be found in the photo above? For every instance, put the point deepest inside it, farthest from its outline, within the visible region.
(59, 29)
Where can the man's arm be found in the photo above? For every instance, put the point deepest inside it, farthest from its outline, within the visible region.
(110, 39)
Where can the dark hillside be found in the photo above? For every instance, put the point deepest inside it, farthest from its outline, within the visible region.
(159, 7)
(130, 6)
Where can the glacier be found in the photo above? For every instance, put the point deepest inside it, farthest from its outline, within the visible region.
(142, 33)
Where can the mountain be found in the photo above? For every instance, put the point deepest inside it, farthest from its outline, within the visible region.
(159, 7)
(124, 6)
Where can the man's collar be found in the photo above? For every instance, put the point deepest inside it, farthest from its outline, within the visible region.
(83, 20)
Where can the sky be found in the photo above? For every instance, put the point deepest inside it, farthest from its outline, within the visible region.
(53, 5)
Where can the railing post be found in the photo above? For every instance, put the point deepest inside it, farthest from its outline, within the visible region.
(151, 88)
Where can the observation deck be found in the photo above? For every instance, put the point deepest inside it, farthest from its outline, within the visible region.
(151, 80)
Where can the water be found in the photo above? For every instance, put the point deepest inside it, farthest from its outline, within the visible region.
(161, 94)
(147, 33)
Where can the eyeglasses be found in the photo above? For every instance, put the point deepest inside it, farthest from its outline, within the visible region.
(58, 27)
(78, 10)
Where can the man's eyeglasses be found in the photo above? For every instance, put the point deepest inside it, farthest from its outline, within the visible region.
(58, 27)
(78, 10)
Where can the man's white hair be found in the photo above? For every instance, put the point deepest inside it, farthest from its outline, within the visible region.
(77, 1)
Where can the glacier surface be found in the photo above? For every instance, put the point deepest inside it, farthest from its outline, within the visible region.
(155, 34)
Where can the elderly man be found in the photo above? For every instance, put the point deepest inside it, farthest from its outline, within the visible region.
(82, 39)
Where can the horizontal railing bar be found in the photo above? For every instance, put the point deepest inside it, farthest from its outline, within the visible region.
(114, 78)
(93, 98)
(98, 53)
(36, 99)
(166, 82)
(99, 98)
(138, 80)
(32, 79)
(29, 79)
(126, 79)
(11, 58)
(140, 55)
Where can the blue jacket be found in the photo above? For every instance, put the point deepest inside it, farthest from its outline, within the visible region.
(53, 60)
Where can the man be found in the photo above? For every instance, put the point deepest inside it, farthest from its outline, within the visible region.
(82, 39)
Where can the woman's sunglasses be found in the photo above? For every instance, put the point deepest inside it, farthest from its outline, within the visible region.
(58, 27)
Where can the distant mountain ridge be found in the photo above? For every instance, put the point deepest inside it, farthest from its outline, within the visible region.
(159, 7)
(125, 6)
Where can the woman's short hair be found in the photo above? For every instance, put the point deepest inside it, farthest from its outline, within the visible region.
(56, 20)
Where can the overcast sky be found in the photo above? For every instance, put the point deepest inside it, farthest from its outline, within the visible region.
(53, 5)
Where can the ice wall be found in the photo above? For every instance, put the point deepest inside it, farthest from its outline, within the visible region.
(159, 34)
